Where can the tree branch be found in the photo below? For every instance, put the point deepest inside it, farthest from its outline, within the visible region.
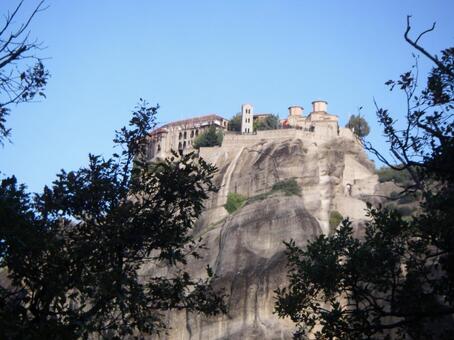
(422, 50)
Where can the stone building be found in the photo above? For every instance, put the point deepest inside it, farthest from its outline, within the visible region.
(247, 118)
(319, 117)
(180, 135)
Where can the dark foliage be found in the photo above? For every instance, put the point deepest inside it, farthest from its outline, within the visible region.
(210, 137)
(72, 257)
(288, 186)
(267, 123)
(22, 74)
(234, 202)
(235, 123)
(404, 210)
(398, 281)
(387, 174)
(358, 125)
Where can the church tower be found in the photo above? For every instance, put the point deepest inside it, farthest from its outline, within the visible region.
(247, 118)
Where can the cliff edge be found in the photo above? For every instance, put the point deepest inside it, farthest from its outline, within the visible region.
(245, 248)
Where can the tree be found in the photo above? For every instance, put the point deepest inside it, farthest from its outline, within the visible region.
(210, 137)
(19, 81)
(73, 258)
(268, 123)
(358, 125)
(235, 123)
(398, 281)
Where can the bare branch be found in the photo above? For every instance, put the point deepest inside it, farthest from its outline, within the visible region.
(426, 31)
(422, 50)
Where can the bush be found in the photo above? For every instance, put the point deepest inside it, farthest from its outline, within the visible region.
(394, 195)
(404, 210)
(409, 198)
(386, 174)
(335, 218)
(234, 202)
(267, 123)
(210, 137)
(235, 123)
(288, 186)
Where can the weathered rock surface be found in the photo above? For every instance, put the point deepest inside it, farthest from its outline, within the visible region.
(246, 248)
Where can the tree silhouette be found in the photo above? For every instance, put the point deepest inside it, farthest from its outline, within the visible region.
(22, 73)
(358, 125)
(73, 259)
(397, 281)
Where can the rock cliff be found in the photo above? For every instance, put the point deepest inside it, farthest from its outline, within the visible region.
(246, 248)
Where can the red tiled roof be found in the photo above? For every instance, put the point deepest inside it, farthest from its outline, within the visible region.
(195, 120)
(186, 122)
(158, 131)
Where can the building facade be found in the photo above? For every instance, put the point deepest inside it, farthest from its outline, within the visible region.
(247, 118)
(318, 120)
(180, 135)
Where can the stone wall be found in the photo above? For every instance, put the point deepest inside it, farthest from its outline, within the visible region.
(322, 132)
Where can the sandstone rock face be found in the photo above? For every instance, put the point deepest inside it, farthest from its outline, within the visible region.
(246, 248)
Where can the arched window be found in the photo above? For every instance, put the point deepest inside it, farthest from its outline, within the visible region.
(180, 146)
(185, 135)
(181, 135)
(197, 132)
(192, 133)
(184, 145)
(159, 147)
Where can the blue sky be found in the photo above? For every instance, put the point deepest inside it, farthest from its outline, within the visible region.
(199, 57)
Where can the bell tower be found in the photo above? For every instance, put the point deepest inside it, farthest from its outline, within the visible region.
(247, 118)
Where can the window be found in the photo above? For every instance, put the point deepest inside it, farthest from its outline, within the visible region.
(181, 135)
(185, 135)
(180, 146)
(184, 145)
(197, 132)
(192, 133)
(159, 147)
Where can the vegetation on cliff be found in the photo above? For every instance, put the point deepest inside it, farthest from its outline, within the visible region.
(235, 123)
(335, 218)
(289, 187)
(234, 202)
(387, 174)
(210, 137)
(358, 125)
(270, 122)
(397, 281)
